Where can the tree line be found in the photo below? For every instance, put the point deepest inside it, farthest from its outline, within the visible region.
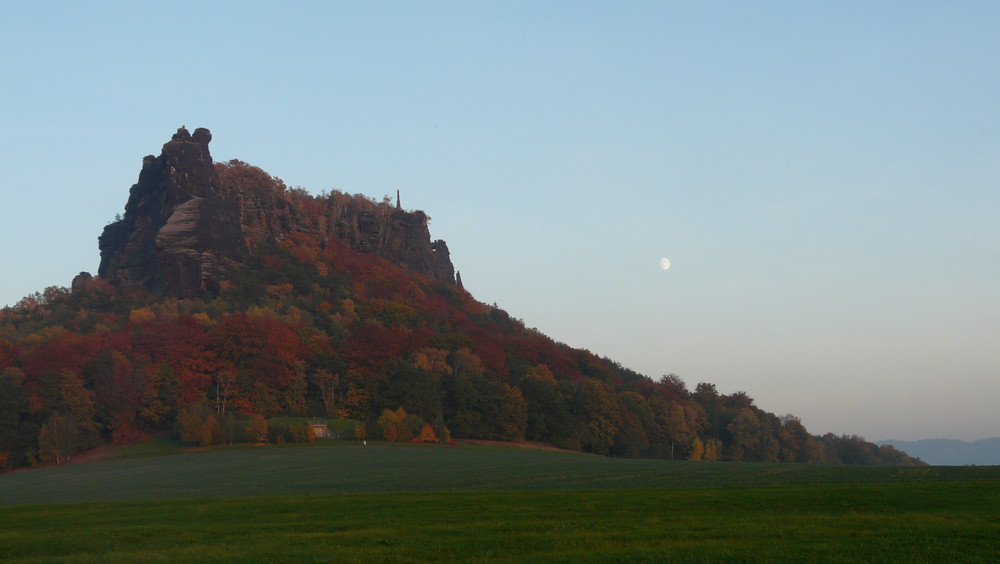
(313, 328)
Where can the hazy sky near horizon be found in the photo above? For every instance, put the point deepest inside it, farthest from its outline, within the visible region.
(824, 177)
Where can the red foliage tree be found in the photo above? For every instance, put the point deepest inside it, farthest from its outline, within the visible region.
(8, 352)
(371, 345)
(185, 347)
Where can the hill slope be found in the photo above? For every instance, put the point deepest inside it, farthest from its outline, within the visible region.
(225, 298)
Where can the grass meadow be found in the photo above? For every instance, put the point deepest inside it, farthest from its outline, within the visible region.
(334, 501)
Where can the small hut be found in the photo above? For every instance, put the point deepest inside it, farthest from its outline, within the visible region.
(319, 431)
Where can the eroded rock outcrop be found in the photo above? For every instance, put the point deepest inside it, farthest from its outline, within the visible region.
(177, 233)
(189, 222)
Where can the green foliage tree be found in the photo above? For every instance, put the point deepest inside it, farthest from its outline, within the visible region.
(14, 417)
(59, 438)
(548, 418)
(600, 414)
(638, 422)
(281, 430)
(77, 401)
(328, 387)
(418, 391)
(680, 424)
(794, 440)
(747, 434)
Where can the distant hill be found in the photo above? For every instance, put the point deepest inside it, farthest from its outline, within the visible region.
(951, 452)
(226, 301)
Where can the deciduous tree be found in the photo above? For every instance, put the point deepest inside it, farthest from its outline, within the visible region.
(59, 438)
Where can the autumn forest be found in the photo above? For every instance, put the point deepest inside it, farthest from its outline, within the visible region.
(330, 306)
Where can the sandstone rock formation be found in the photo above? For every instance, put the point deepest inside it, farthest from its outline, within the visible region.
(177, 234)
(185, 228)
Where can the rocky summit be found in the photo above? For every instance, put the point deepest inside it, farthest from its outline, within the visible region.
(190, 223)
(178, 234)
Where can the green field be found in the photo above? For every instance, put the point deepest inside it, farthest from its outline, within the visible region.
(341, 502)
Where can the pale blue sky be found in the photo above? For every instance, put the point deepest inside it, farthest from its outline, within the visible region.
(825, 177)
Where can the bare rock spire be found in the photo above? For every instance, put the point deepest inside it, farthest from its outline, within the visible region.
(177, 235)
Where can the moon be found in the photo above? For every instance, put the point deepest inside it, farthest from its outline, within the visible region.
(664, 263)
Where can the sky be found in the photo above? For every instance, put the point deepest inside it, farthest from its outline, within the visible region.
(823, 176)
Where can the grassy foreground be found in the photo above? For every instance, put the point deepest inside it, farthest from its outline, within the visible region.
(161, 469)
(492, 505)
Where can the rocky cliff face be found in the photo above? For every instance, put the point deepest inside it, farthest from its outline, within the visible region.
(185, 227)
(177, 233)
(401, 237)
